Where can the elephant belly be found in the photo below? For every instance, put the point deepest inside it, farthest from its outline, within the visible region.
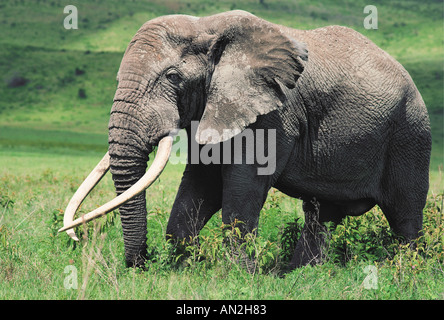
(341, 174)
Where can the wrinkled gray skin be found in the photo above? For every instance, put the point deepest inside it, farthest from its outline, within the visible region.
(352, 129)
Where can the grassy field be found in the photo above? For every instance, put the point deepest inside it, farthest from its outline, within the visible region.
(55, 95)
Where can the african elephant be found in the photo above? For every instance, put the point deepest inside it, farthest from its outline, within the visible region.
(351, 129)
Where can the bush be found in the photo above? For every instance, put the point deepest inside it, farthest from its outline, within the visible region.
(16, 80)
(289, 238)
(369, 237)
(5, 201)
(82, 93)
(102, 225)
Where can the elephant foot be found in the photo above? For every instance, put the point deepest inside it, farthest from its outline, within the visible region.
(240, 257)
(311, 245)
(137, 261)
(238, 254)
(309, 251)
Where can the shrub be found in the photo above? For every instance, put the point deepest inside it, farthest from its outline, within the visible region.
(82, 93)
(5, 201)
(369, 237)
(289, 238)
(16, 80)
(55, 222)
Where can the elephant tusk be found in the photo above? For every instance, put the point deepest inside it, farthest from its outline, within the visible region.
(153, 172)
(85, 188)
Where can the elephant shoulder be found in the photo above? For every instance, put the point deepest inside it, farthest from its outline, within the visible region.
(342, 49)
(335, 38)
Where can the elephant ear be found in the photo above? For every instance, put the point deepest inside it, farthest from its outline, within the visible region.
(253, 59)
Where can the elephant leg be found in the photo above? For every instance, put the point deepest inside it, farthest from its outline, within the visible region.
(244, 194)
(406, 182)
(311, 243)
(403, 211)
(198, 198)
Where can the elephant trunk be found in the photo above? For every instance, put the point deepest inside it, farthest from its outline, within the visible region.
(129, 147)
(133, 216)
(128, 162)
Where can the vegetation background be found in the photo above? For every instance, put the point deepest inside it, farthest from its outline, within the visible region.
(56, 91)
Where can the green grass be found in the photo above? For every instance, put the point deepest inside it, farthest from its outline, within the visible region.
(53, 131)
(34, 257)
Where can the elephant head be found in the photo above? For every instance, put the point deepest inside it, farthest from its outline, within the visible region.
(223, 71)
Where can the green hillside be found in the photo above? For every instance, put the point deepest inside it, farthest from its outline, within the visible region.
(70, 74)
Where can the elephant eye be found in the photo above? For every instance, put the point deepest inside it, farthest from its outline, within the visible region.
(173, 77)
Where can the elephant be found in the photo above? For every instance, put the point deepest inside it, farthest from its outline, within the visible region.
(350, 129)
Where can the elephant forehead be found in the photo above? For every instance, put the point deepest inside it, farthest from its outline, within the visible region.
(147, 49)
(147, 59)
(171, 29)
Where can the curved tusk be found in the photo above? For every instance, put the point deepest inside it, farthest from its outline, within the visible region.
(156, 168)
(85, 188)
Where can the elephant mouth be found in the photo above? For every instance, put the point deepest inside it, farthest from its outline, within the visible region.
(153, 172)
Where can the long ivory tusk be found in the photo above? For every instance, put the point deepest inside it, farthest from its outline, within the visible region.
(85, 188)
(153, 172)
